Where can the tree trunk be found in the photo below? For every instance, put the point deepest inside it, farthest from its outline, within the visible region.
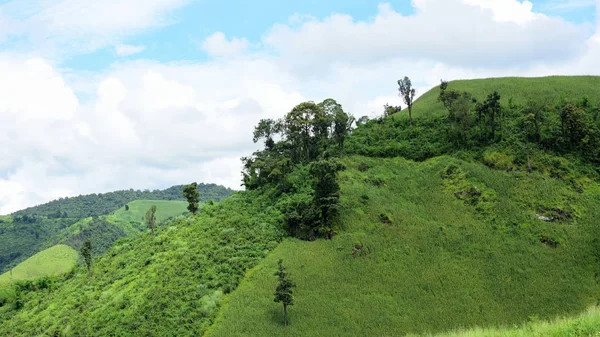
(285, 315)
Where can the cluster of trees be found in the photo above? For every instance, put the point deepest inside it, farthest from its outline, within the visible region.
(564, 127)
(300, 161)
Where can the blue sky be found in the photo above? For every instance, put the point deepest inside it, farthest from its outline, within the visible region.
(198, 19)
(97, 96)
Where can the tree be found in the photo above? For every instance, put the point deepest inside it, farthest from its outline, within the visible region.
(151, 218)
(389, 110)
(190, 192)
(488, 114)
(86, 252)
(266, 129)
(299, 127)
(341, 128)
(283, 292)
(407, 92)
(533, 120)
(327, 194)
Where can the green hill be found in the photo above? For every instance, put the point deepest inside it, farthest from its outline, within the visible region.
(428, 262)
(55, 260)
(34, 229)
(136, 212)
(480, 214)
(520, 90)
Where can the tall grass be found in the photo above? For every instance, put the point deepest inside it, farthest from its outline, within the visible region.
(428, 262)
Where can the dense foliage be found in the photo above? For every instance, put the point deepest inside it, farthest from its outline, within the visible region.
(300, 170)
(169, 284)
(37, 228)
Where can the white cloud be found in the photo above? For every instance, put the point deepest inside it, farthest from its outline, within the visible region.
(448, 31)
(128, 50)
(152, 125)
(218, 45)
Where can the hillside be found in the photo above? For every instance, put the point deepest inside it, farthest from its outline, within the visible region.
(167, 285)
(436, 264)
(134, 215)
(34, 229)
(546, 90)
(480, 214)
(53, 261)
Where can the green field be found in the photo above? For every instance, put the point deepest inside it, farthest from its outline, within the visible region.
(134, 217)
(55, 260)
(439, 265)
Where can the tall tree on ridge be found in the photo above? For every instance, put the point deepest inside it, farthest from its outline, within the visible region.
(190, 192)
(407, 92)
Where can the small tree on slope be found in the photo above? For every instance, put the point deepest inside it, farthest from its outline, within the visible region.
(284, 293)
(190, 192)
(151, 218)
(86, 252)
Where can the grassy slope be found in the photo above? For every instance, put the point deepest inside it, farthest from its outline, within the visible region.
(440, 265)
(583, 325)
(55, 260)
(134, 218)
(167, 285)
(545, 89)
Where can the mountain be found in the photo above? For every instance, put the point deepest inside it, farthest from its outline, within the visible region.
(34, 229)
(481, 212)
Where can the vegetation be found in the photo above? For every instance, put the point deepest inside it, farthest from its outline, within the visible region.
(284, 293)
(413, 257)
(407, 92)
(167, 285)
(30, 231)
(53, 261)
(584, 325)
(151, 218)
(86, 253)
(99, 204)
(190, 192)
(476, 210)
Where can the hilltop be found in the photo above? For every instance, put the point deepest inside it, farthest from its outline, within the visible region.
(481, 214)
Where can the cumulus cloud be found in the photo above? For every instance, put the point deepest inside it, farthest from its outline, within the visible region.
(128, 50)
(218, 45)
(145, 124)
(457, 32)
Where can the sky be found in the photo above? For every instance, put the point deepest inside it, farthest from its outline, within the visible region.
(97, 96)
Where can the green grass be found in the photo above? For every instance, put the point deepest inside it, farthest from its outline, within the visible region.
(547, 90)
(164, 285)
(440, 265)
(586, 324)
(55, 260)
(134, 218)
